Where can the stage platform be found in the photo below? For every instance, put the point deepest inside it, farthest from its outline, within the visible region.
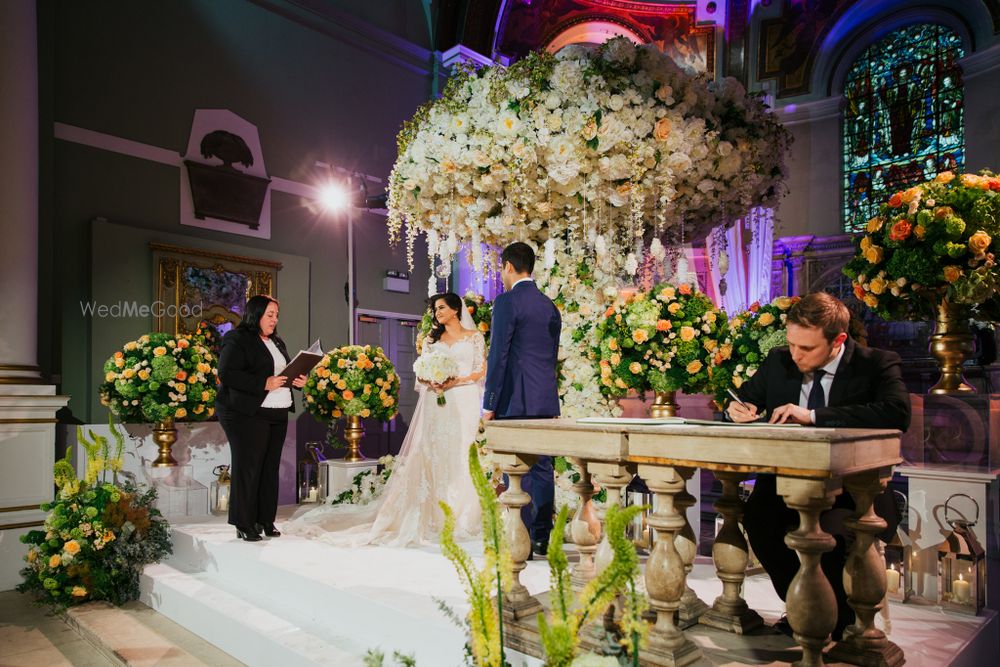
(290, 601)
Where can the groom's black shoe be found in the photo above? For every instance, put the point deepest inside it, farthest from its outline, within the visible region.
(539, 548)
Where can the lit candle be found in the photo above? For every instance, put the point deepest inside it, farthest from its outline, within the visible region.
(313, 491)
(960, 590)
(223, 503)
(892, 579)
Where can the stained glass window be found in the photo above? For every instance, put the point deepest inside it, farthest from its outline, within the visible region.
(903, 117)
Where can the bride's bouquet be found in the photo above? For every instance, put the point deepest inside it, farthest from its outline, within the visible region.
(435, 368)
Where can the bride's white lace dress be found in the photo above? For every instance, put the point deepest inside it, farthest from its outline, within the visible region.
(433, 465)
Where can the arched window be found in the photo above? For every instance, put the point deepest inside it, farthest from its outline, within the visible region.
(903, 117)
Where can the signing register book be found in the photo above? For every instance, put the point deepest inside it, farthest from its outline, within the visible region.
(303, 362)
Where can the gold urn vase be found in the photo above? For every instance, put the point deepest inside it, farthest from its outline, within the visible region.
(165, 435)
(354, 431)
(951, 344)
(664, 405)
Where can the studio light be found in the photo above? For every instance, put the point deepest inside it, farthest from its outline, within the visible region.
(333, 197)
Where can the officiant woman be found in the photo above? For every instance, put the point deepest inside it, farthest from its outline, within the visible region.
(253, 403)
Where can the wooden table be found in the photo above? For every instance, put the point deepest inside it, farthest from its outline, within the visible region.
(812, 466)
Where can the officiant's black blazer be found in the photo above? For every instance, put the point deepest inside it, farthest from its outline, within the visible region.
(867, 390)
(244, 366)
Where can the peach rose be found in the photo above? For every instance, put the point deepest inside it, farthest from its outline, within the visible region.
(874, 255)
(945, 177)
(694, 367)
(952, 273)
(640, 336)
(783, 302)
(72, 547)
(687, 333)
(635, 367)
(673, 308)
(877, 285)
(662, 129)
(54, 560)
(871, 300)
(159, 351)
(613, 344)
(663, 325)
(684, 289)
(875, 224)
(765, 319)
(667, 293)
(180, 413)
(920, 232)
(979, 242)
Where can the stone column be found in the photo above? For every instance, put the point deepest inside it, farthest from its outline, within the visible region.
(517, 603)
(811, 604)
(665, 576)
(585, 528)
(730, 611)
(864, 578)
(19, 193)
(686, 542)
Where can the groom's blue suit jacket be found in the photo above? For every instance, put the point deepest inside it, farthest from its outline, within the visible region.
(521, 376)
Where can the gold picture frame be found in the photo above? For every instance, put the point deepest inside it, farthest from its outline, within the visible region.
(194, 285)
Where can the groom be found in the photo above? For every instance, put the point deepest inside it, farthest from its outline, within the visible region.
(521, 376)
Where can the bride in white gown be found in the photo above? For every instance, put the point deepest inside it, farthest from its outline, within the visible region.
(433, 463)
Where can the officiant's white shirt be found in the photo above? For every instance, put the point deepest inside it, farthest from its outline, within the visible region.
(281, 397)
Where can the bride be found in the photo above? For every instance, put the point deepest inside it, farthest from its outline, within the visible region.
(433, 461)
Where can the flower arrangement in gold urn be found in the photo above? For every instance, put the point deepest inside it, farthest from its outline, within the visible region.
(667, 339)
(161, 376)
(353, 381)
(931, 243)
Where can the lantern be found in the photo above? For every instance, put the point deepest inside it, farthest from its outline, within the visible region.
(309, 473)
(898, 554)
(220, 488)
(961, 565)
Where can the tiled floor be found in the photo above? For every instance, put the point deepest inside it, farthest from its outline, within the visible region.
(30, 637)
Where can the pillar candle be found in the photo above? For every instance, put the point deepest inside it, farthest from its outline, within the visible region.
(892, 580)
(960, 590)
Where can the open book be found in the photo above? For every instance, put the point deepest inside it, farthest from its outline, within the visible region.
(667, 421)
(303, 362)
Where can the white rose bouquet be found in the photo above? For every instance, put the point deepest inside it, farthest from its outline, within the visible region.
(435, 368)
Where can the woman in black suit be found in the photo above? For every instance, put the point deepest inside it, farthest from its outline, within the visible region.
(253, 405)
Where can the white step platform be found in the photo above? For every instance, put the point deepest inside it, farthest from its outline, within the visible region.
(290, 601)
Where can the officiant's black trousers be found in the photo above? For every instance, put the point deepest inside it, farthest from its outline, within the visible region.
(767, 520)
(255, 443)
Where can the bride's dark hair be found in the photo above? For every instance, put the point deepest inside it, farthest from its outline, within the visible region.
(451, 300)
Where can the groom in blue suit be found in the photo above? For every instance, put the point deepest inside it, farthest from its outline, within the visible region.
(521, 377)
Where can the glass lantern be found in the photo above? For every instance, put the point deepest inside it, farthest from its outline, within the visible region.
(898, 554)
(961, 565)
(220, 488)
(309, 473)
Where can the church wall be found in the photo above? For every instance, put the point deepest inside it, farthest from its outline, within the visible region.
(138, 71)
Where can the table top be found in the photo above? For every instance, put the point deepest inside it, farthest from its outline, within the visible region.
(799, 452)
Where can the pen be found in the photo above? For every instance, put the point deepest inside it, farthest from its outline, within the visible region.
(737, 398)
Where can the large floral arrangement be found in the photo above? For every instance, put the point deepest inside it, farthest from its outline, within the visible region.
(751, 335)
(479, 308)
(97, 536)
(161, 376)
(353, 381)
(580, 144)
(930, 242)
(664, 340)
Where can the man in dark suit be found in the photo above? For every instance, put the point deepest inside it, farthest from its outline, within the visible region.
(521, 376)
(822, 378)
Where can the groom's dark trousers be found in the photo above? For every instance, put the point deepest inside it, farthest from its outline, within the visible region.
(522, 383)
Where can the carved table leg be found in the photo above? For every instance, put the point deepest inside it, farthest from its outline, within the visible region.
(665, 575)
(585, 528)
(864, 579)
(730, 611)
(517, 602)
(811, 605)
(692, 607)
(614, 478)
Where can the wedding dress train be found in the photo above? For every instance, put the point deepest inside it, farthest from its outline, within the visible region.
(432, 466)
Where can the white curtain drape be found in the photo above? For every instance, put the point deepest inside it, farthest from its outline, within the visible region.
(748, 274)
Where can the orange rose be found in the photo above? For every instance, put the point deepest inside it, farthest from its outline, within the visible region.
(943, 211)
(684, 289)
(118, 355)
(687, 333)
(663, 325)
(900, 231)
(694, 367)
(662, 129)
(472, 311)
(920, 232)
(910, 194)
(859, 292)
(952, 273)
(640, 336)
(183, 343)
(979, 242)
(896, 200)
(181, 375)
(875, 224)
(995, 184)
(609, 312)
(72, 547)
(945, 177)
(348, 394)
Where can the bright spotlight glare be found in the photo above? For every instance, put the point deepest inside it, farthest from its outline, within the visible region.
(333, 197)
